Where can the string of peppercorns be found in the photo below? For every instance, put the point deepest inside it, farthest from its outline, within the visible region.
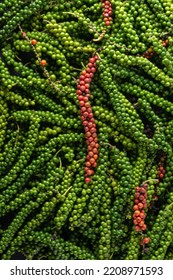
(139, 207)
(83, 93)
(107, 17)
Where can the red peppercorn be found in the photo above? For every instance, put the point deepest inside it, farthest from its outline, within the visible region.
(87, 91)
(83, 72)
(141, 197)
(138, 219)
(82, 87)
(81, 103)
(141, 224)
(135, 207)
(93, 69)
(95, 156)
(85, 115)
(142, 215)
(144, 227)
(140, 206)
(87, 86)
(92, 161)
(161, 175)
(87, 180)
(88, 164)
(146, 240)
(137, 213)
(83, 109)
(92, 60)
(137, 194)
(87, 80)
(34, 42)
(81, 83)
(79, 92)
(90, 65)
(137, 228)
(136, 201)
(91, 154)
(90, 172)
(82, 77)
(95, 150)
(94, 164)
(43, 62)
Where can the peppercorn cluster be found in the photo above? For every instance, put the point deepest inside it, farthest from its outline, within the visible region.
(107, 12)
(86, 129)
(83, 92)
(139, 208)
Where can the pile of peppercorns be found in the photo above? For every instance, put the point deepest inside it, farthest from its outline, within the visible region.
(86, 129)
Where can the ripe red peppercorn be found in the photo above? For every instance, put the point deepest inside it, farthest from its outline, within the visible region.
(94, 164)
(137, 213)
(141, 224)
(137, 194)
(34, 42)
(95, 150)
(137, 228)
(136, 201)
(87, 91)
(87, 180)
(91, 154)
(146, 240)
(90, 172)
(138, 219)
(83, 109)
(88, 164)
(140, 206)
(142, 190)
(92, 60)
(135, 207)
(141, 197)
(79, 92)
(43, 62)
(161, 175)
(144, 227)
(142, 215)
(92, 161)
(95, 156)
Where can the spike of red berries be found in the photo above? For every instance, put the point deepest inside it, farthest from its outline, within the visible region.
(161, 172)
(107, 12)
(87, 118)
(139, 208)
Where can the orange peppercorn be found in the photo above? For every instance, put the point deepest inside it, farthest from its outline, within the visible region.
(34, 42)
(43, 62)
